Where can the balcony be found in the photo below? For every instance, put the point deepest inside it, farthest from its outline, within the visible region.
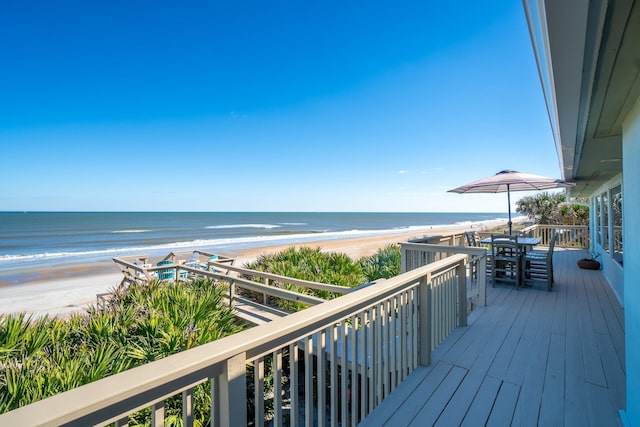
(529, 357)
(421, 348)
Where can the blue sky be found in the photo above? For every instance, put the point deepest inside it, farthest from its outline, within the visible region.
(266, 106)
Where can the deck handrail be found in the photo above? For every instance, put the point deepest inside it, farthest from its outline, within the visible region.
(417, 254)
(368, 340)
(286, 280)
(569, 236)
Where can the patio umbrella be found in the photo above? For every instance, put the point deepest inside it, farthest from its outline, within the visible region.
(508, 181)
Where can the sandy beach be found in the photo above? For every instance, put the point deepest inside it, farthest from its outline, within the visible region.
(63, 290)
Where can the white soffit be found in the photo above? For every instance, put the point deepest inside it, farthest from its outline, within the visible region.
(567, 27)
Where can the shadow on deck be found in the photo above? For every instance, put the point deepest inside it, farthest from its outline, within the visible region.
(531, 357)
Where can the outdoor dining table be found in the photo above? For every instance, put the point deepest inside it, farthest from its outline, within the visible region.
(524, 243)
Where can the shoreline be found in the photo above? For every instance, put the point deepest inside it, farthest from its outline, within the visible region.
(61, 290)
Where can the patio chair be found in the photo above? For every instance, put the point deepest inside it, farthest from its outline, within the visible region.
(506, 259)
(168, 274)
(474, 240)
(542, 253)
(538, 265)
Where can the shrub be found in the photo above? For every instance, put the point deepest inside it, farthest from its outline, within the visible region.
(385, 263)
(327, 267)
(43, 357)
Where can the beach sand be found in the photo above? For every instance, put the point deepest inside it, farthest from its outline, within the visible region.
(71, 288)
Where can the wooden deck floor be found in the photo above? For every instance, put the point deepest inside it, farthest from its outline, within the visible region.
(531, 357)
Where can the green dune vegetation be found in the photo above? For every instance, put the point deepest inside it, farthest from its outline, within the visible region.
(46, 356)
(339, 269)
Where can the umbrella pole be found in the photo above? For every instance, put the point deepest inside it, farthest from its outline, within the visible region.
(509, 204)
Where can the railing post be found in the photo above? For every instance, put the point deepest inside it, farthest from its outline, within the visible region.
(403, 260)
(462, 293)
(187, 408)
(267, 282)
(157, 414)
(215, 400)
(233, 392)
(481, 277)
(424, 294)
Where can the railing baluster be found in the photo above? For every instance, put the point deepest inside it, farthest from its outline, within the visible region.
(232, 292)
(215, 401)
(373, 359)
(187, 408)
(364, 363)
(157, 414)
(384, 309)
(378, 344)
(443, 314)
(393, 360)
(308, 381)
(333, 372)
(408, 325)
(344, 372)
(355, 384)
(482, 281)
(424, 322)
(415, 301)
(403, 336)
(434, 321)
(439, 307)
(276, 364)
(452, 301)
(293, 383)
(462, 296)
(258, 387)
(321, 375)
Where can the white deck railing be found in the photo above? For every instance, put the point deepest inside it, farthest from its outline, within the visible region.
(345, 355)
(416, 254)
(569, 236)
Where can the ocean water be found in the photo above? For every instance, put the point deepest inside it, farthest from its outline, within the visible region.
(34, 239)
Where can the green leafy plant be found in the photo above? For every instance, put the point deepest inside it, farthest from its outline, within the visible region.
(552, 208)
(385, 263)
(46, 356)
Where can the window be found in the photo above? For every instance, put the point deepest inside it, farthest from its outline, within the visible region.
(604, 209)
(616, 213)
(598, 220)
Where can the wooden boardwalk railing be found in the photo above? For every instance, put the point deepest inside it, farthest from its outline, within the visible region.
(240, 281)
